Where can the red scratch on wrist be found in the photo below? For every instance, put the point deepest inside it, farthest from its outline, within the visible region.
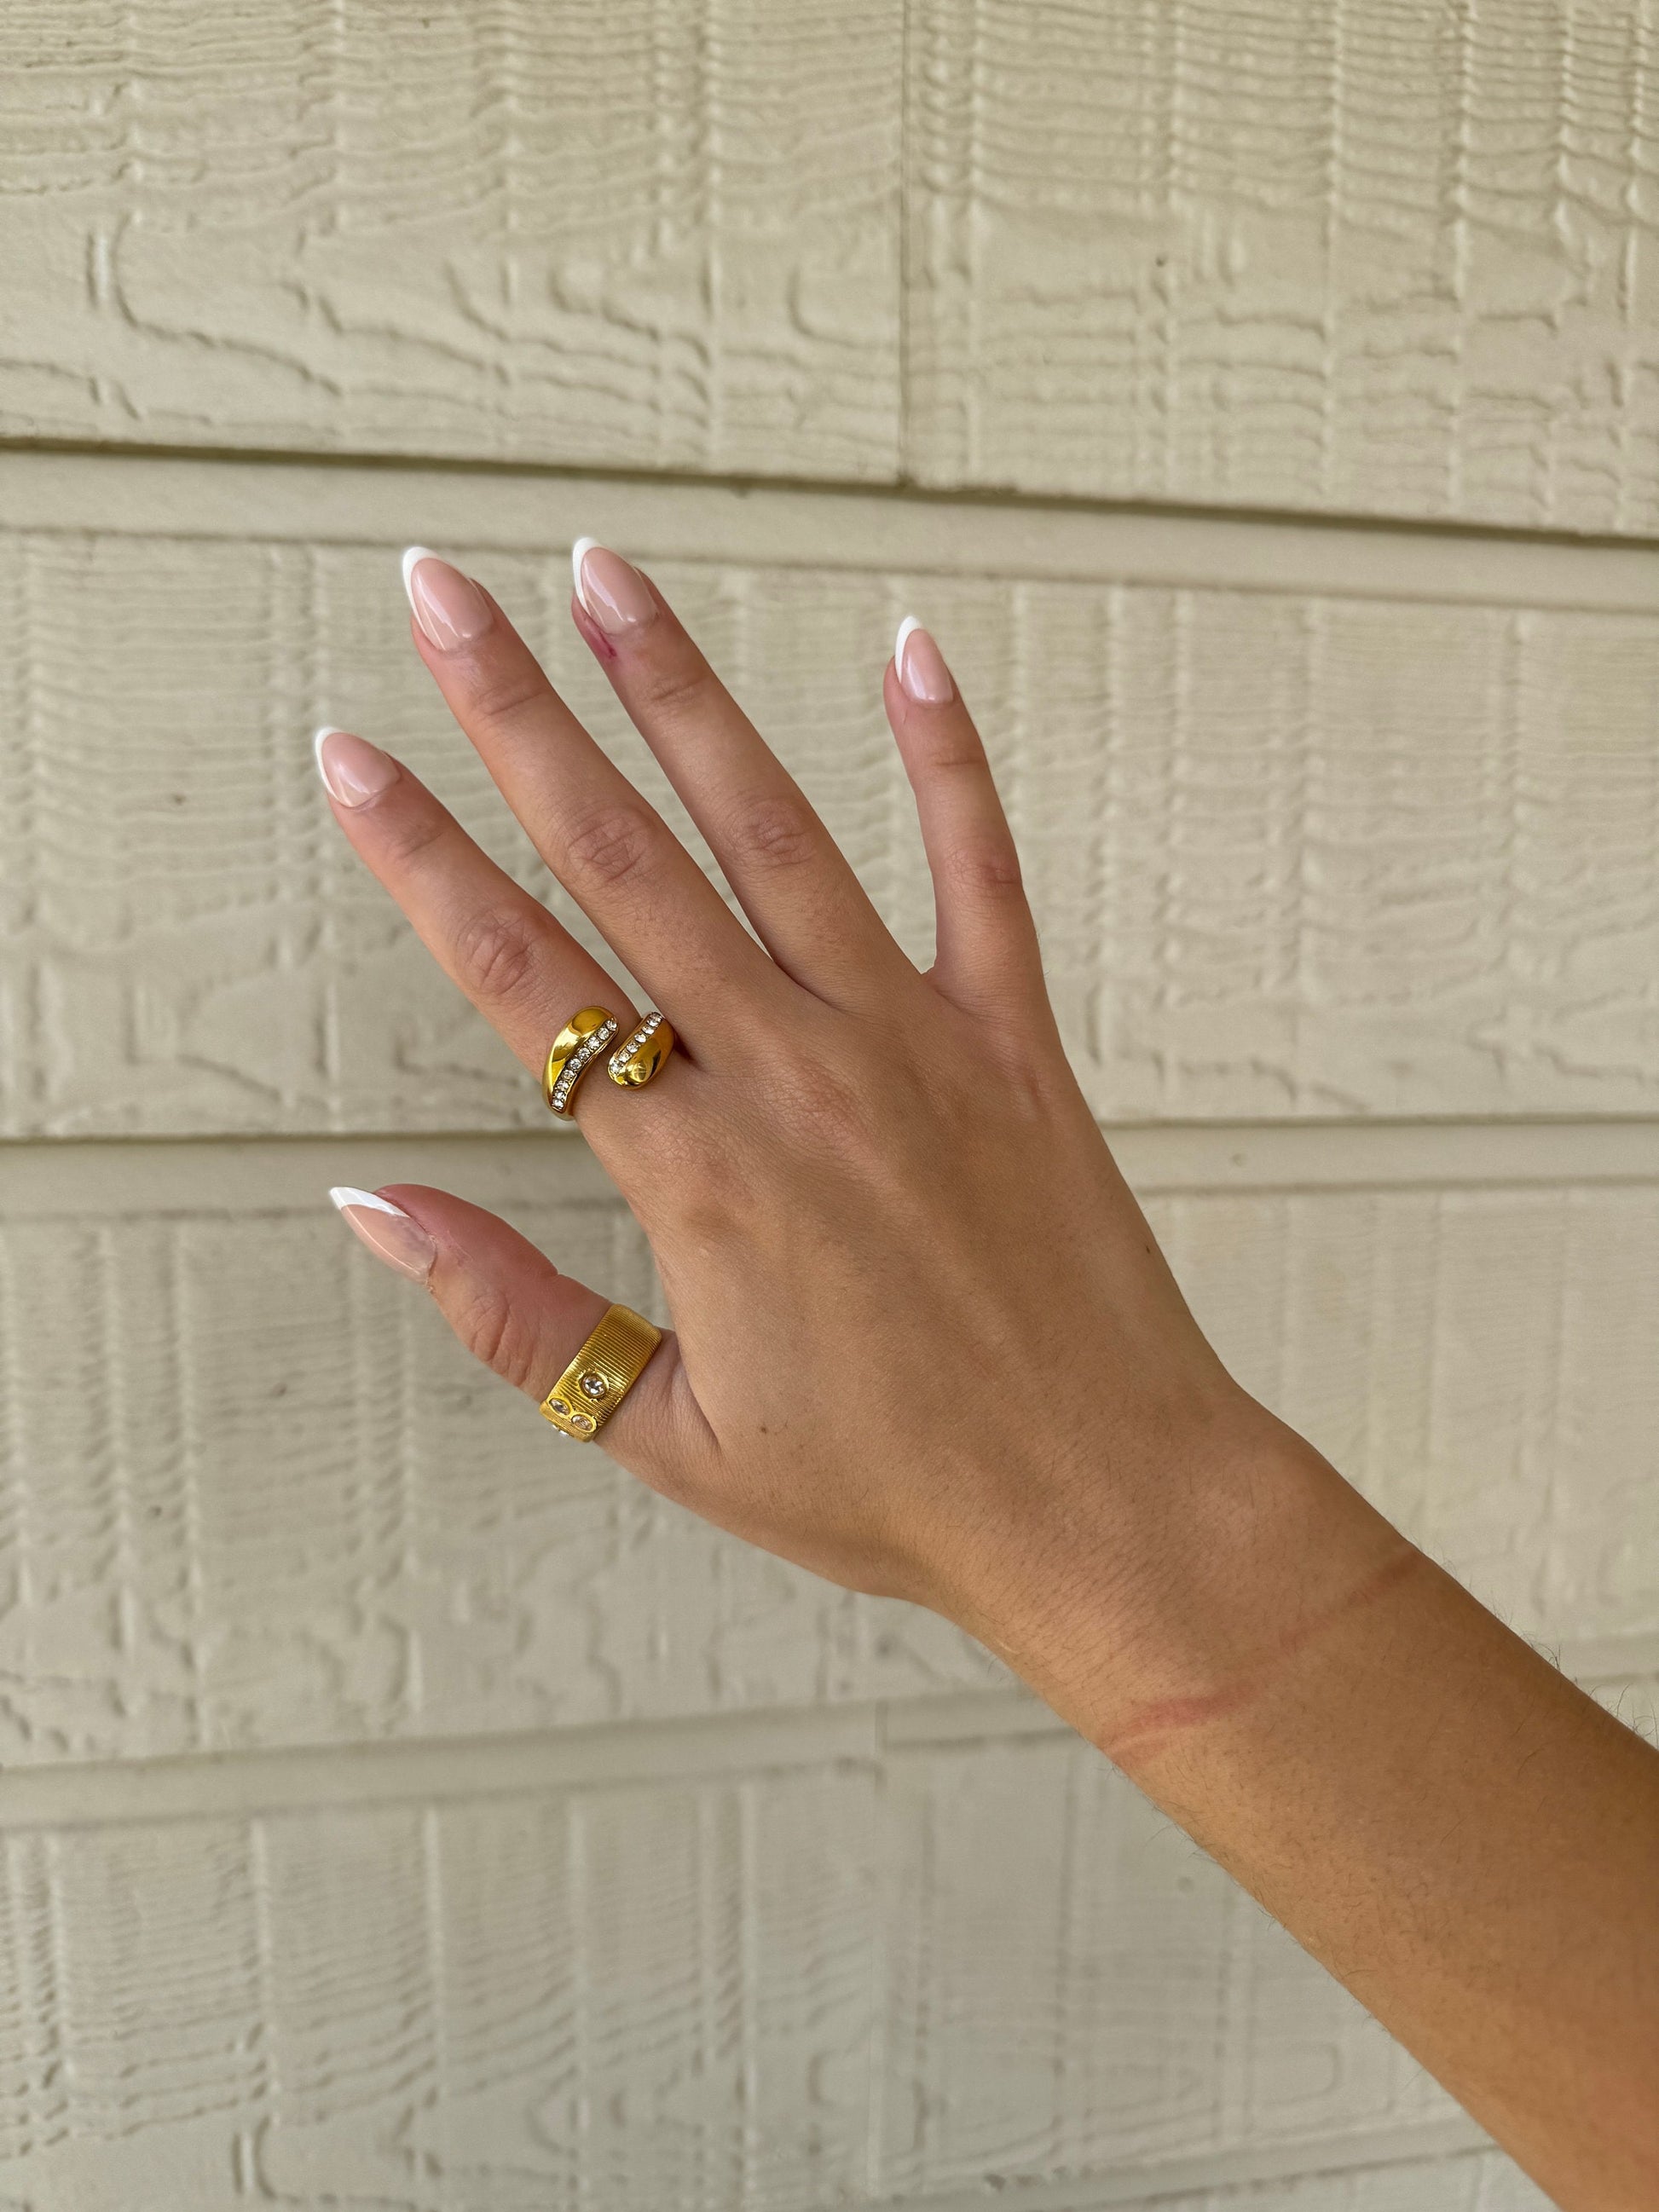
(1148, 1731)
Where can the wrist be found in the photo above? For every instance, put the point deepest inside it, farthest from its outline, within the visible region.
(1144, 1609)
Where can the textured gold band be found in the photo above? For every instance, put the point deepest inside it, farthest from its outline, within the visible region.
(601, 1373)
(572, 1053)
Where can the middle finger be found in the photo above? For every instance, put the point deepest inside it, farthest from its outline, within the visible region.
(609, 849)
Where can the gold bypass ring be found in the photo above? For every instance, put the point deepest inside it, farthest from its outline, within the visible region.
(601, 1373)
(639, 1056)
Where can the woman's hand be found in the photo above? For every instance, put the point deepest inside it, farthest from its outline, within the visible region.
(925, 1345)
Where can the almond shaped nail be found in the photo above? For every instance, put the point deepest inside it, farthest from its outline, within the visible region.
(449, 607)
(353, 770)
(615, 594)
(387, 1232)
(920, 666)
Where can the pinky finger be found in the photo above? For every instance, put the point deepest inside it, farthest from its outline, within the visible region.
(987, 959)
(513, 1309)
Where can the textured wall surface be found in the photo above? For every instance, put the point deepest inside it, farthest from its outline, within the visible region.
(1392, 255)
(400, 1809)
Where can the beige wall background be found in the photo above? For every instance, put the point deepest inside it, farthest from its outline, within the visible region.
(399, 1809)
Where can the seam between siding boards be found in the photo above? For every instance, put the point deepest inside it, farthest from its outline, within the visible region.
(901, 488)
(1453, 2136)
(311, 502)
(200, 1785)
(42, 1176)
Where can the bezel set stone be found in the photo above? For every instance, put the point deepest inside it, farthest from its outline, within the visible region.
(603, 1370)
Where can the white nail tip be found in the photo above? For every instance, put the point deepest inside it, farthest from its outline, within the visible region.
(906, 630)
(344, 1195)
(318, 742)
(411, 555)
(579, 553)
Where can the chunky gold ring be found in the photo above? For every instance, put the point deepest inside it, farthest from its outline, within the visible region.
(572, 1053)
(601, 1375)
(639, 1057)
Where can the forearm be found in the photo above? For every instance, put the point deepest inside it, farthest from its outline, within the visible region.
(1460, 1834)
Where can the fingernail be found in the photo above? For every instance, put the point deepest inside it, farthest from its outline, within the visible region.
(920, 666)
(449, 606)
(613, 594)
(353, 769)
(390, 1233)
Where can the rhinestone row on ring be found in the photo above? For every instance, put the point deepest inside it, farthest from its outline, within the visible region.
(641, 1036)
(586, 1053)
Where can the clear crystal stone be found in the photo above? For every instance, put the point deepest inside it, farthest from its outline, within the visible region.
(592, 1385)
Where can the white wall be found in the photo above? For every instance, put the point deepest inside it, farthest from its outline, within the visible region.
(401, 1808)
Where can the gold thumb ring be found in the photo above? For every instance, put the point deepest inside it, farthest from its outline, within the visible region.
(601, 1373)
(572, 1053)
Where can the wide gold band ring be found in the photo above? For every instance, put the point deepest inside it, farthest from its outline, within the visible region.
(601, 1375)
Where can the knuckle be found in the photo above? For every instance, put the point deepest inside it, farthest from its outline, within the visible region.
(494, 1331)
(612, 845)
(954, 753)
(496, 697)
(496, 955)
(821, 1102)
(987, 867)
(675, 687)
(410, 834)
(775, 831)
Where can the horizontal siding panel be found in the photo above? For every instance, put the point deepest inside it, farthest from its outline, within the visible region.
(1293, 855)
(1470, 2181)
(256, 1495)
(643, 2000)
(642, 236)
(1391, 259)
(1387, 260)
(781, 1991)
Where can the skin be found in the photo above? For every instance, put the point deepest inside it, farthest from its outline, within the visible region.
(873, 1195)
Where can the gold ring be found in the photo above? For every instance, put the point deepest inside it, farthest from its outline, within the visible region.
(639, 1057)
(572, 1053)
(601, 1373)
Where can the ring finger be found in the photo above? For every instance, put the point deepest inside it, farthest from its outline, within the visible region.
(519, 965)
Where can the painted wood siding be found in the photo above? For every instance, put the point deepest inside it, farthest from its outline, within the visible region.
(1263, 405)
(1390, 257)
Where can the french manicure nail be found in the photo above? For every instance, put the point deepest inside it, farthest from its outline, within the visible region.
(920, 666)
(390, 1234)
(353, 769)
(449, 606)
(612, 592)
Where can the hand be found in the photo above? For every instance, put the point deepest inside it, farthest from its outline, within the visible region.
(924, 1343)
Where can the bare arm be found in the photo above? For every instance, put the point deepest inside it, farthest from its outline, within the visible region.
(925, 1345)
(1461, 1835)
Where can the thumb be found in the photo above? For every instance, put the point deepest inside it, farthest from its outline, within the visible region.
(513, 1309)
